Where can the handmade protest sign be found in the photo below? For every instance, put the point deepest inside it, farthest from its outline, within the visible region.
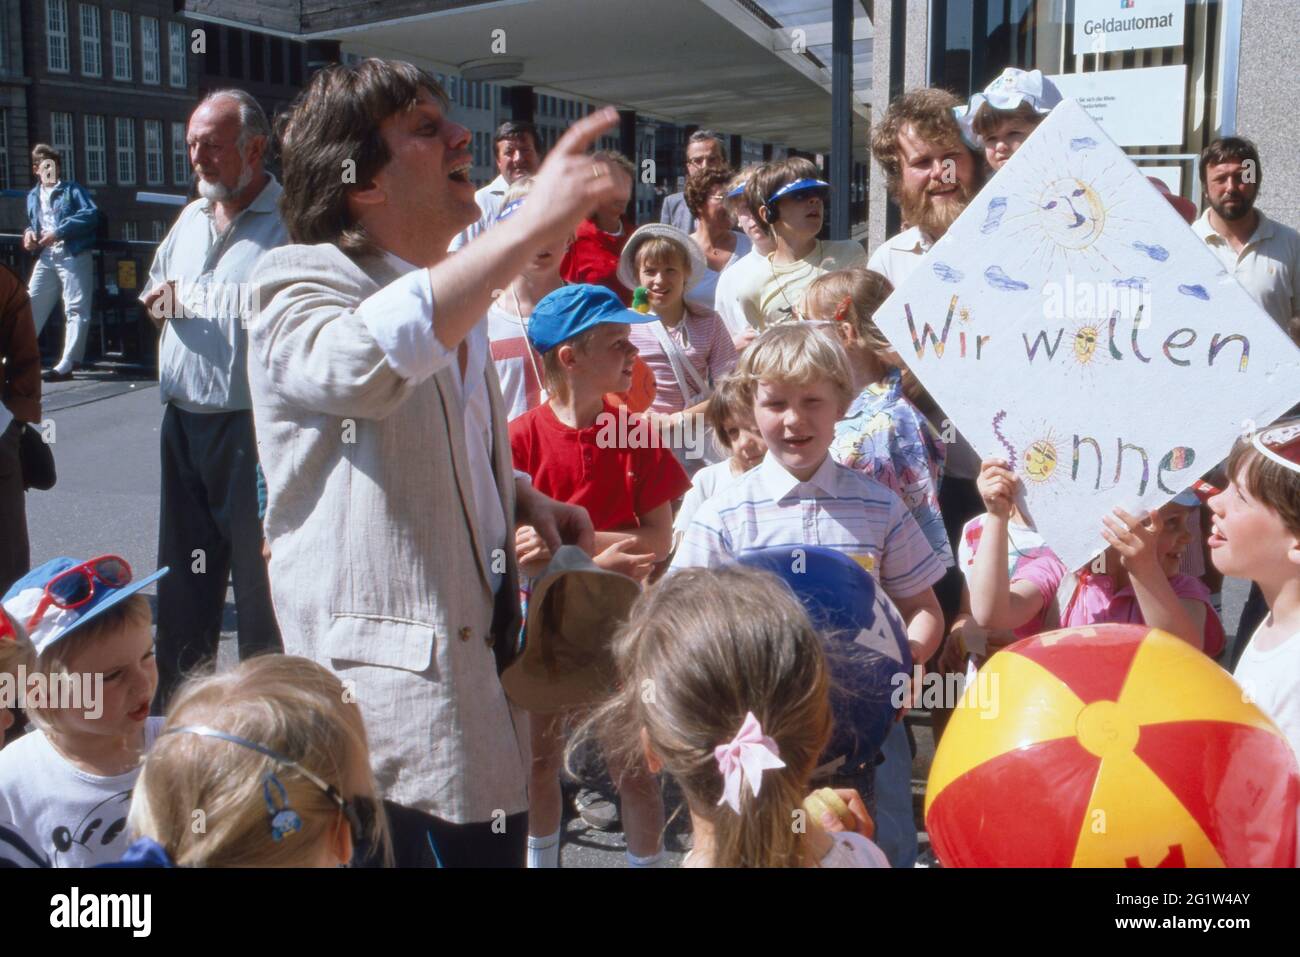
(1071, 323)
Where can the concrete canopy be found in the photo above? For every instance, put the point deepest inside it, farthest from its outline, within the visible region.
(722, 64)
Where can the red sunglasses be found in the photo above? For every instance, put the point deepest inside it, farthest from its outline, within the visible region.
(76, 586)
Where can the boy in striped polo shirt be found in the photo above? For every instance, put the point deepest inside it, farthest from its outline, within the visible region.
(799, 385)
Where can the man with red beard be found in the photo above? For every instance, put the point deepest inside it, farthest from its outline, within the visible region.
(930, 173)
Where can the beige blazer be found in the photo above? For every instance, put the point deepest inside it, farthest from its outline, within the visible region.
(377, 565)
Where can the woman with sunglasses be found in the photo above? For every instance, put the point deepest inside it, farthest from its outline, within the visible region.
(66, 786)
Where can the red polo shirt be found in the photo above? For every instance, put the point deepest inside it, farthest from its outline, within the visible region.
(593, 257)
(612, 481)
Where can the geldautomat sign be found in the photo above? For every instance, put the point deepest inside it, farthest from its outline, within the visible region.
(1113, 25)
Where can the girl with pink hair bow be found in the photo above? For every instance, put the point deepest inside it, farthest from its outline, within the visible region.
(724, 685)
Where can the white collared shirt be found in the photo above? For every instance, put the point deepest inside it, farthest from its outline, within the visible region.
(203, 354)
(490, 199)
(896, 257)
(1268, 266)
(400, 317)
(837, 508)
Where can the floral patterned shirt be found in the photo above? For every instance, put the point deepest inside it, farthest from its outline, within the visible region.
(885, 436)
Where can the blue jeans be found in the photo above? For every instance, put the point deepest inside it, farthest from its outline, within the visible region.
(895, 823)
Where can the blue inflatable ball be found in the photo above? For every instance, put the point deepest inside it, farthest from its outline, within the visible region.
(865, 640)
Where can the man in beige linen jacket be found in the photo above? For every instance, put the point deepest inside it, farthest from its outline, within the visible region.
(392, 504)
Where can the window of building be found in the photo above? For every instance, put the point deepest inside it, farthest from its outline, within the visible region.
(236, 43)
(92, 57)
(150, 54)
(121, 45)
(257, 57)
(125, 151)
(56, 35)
(61, 140)
(157, 228)
(153, 152)
(212, 54)
(180, 156)
(278, 47)
(4, 149)
(130, 231)
(297, 54)
(96, 152)
(176, 53)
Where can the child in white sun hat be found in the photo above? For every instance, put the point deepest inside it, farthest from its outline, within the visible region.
(1002, 115)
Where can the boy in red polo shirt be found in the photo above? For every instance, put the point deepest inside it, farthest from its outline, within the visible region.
(575, 450)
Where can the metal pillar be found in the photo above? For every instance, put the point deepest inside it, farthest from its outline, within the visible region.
(841, 115)
(627, 134)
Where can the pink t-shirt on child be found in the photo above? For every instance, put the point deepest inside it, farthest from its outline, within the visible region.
(706, 343)
(1095, 601)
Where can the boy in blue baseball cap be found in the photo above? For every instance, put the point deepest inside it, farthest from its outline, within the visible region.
(582, 450)
(65, 788)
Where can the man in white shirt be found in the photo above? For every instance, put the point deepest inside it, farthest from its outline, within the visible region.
(515, 145)
(1263, 254)
(392, 503)
(933, 175)
(199, 293)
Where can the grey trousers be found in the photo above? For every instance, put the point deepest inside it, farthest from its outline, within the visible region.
(209, 534)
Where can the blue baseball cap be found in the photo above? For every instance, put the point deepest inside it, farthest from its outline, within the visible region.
(798, 186)
(571, 310)
(25, 595)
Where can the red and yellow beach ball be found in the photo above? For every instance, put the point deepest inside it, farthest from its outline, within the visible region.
(1110, 746)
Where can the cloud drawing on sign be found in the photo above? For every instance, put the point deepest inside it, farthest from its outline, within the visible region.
(1158, 253)
(1195, 290)
(1133, 282)
(947, 273)
(1000, 280)
(997, 209)
(1083, 143)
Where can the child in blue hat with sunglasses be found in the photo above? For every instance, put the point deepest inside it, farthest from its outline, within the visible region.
(86, 680)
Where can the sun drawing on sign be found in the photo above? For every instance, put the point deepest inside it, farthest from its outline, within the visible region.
(1068, 216)
(1033, 451)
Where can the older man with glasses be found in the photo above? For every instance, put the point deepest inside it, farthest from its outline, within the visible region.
(704, 150)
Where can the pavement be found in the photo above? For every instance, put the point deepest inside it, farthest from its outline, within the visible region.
(106, 424)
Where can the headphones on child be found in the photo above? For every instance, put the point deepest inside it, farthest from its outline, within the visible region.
(284, 820)
(769, 212)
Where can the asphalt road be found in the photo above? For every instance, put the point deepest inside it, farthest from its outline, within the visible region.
(106, 501)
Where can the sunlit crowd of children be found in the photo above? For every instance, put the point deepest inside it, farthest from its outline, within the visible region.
(818, 434)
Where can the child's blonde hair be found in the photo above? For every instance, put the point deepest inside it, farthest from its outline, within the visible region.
(291, 706)
(728, 403)
(700, 651)
(55, 663)
(795, 353)
(517, 190)
(553, 376)
(660, 249)
(853, 295)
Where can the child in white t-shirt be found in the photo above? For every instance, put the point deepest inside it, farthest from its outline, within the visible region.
(731, 420)
(65, 788)
(1256, 534)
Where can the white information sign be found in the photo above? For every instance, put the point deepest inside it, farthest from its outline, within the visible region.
(1070, 323)
(1140, 107)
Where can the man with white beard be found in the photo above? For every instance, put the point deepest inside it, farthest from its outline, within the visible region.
(198, 294)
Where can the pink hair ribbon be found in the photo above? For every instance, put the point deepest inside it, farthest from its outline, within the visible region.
(744, 759)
